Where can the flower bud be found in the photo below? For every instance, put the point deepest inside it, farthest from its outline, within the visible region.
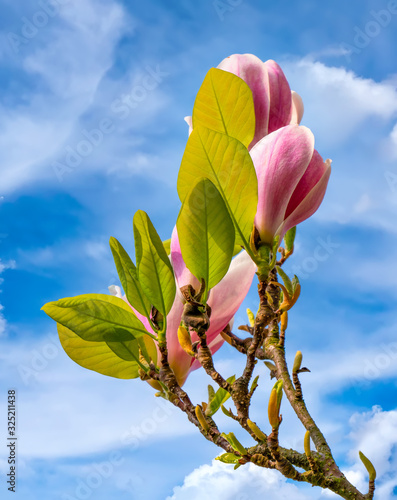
(284, 321)
(200, 417)
(306, 444)
(272, 409)
(185, 340)
(368, 465)
(255, 429)
(251, 317)
(297, 362)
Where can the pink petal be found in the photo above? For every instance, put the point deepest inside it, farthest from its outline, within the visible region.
(116, 292)
(252, 70)
(179, 361)
(309, 204)
(227, 296)
(189, 121)
(310, 178)
(280, 160)
(280, 97)
(297, 108)
(183, 275)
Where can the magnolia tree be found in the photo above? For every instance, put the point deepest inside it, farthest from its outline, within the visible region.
(248, 176)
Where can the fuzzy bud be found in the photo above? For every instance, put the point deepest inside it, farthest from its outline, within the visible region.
(255, 429)
(201, 418)
(306, 444)
(297, 362)
(368, 465)
(184, 340)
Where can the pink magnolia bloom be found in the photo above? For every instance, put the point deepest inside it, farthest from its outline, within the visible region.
(225, 299)
(275, 105)
(292, 180)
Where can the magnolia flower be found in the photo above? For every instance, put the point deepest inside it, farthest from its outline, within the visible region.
(275, 105)
(292, 180)
(225, 299)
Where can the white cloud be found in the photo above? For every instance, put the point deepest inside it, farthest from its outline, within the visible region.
(337, 101)
(72, 410)
(3, 267)
(249, 482)
(69, 69)
(391, 144)
(351, 118)
(374, 433)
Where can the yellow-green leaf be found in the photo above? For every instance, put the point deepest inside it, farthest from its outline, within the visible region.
(167, 245)
(289, 239)
(129, 280)
(96, 317)
(228, 458)
(206, 233)
(219, 399)
(154, 269)
(225, 161)
(224, 103)
(96, 356)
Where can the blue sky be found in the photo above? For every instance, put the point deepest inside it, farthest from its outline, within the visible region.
(68, 73)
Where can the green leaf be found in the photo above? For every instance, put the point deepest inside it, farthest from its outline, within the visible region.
(287, 282)
(211, 393)
(225, 104)
(226, 162)
(278, 386)
(271, 366)
(220, 398)
(295, 282)
(148, 348)
(231, 438)
(254, 384)
(237, 249)
(96, 356)
(228, 458)
(154, 269)
(206, 233)
(167, 246)
(129, 351)
(226, 411)
(129, 280)
(97, 317)
(289, 239)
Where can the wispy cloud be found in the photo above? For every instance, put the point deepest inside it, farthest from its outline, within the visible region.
(66, 72)
(3, 267)
(337, 101)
